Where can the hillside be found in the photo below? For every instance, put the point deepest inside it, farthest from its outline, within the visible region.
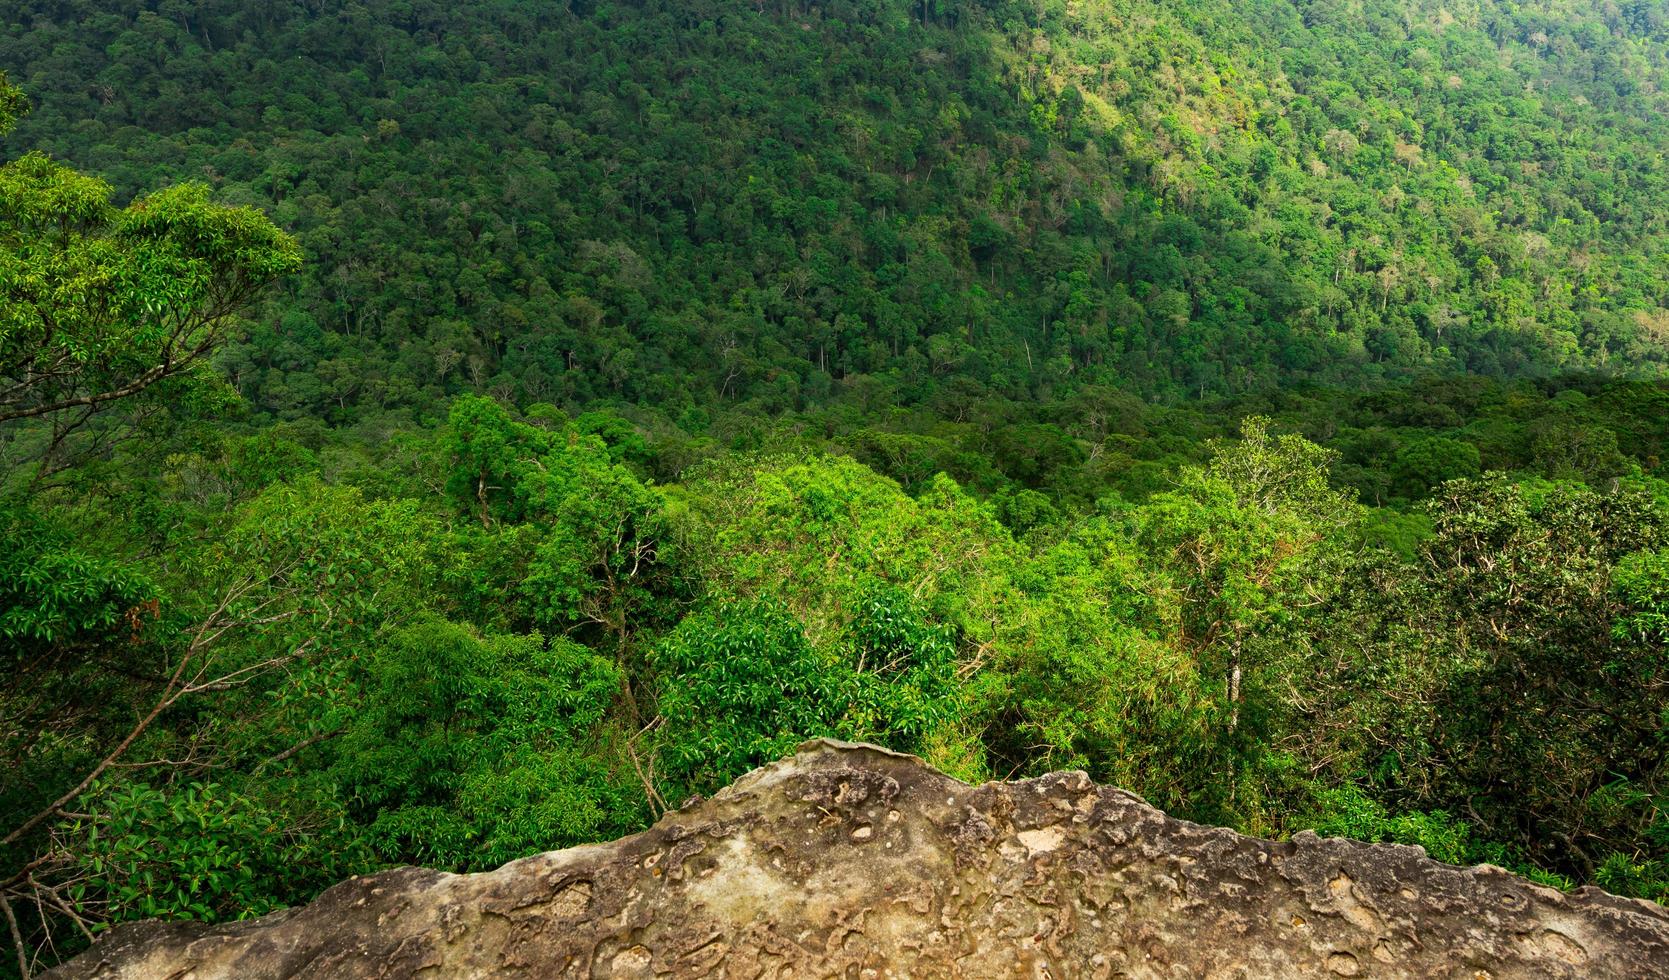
(676, 204)
(436, 434)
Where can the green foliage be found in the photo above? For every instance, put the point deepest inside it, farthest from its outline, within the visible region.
(466, 751)
(743, 685)
(1178, 200)
(905, 667)
(54, 596)
(13, 104)
(1351, 813)
(1245, 645)
(1496, 652)
(1233, 545)
(109, 316)
(597, 559)
(195, 851)
(324, 559)
(1081, 677)
(658, 396)
(600, 554)
(1642, 581)
(816, 532)
(72, 624)
(1426, 462)
(98, 304)
(1277, 475)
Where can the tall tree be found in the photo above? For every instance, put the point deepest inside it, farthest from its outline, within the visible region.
(98, 303)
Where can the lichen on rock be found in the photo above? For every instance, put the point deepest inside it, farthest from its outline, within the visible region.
(852, 861)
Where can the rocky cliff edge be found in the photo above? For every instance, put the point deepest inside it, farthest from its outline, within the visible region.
(851, 861)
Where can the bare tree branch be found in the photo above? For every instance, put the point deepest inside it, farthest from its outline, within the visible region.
(17, 938)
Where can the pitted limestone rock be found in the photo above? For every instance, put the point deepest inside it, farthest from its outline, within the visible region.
(852, 861)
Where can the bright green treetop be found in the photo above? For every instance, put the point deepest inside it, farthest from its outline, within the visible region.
(99, 303)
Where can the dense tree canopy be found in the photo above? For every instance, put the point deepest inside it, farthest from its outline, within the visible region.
(1252, 404)
(672, 204)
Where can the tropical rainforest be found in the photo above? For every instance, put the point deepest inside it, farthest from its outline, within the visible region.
(440, 432)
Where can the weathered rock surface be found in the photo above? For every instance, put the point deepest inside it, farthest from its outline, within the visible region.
(851, 861)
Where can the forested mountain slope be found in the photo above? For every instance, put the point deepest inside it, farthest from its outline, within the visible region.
(672, 203)
(433, 433)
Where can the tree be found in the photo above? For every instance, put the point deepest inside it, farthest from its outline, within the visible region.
(119, 671)
(597, 559)
(1426, 461)
(100, 304)
(1233, 536)
(1544, 704)
(468, 750)
(742, 685)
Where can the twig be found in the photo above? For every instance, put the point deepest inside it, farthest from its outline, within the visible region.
(56, 899)
(46, 930)
(169, 697)
(299, 746)
(172, 692)
(654, 798)
(17, 938)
